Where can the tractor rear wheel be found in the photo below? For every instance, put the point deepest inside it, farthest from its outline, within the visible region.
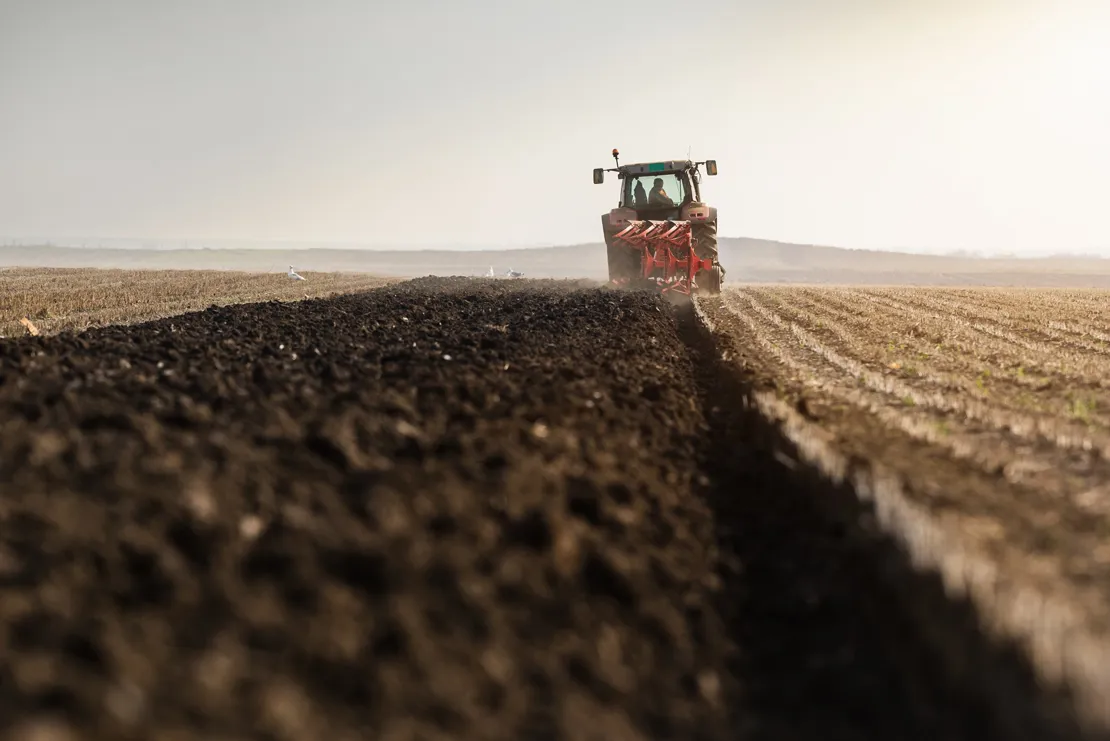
(705, 240)
(624, 262)
(705, 246)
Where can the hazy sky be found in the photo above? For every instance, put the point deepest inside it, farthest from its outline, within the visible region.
(917, 124)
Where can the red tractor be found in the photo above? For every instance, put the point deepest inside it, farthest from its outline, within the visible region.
(661, 232)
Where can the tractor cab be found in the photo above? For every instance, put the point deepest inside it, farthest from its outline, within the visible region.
(657, 195)
(658, 191)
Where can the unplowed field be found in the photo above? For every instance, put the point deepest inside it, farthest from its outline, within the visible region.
(985, 412)
(61, 299)
(457, 508)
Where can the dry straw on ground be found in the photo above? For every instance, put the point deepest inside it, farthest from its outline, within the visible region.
(982, 417)
(55, 300)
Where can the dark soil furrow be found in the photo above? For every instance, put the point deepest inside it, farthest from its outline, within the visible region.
(450, 508)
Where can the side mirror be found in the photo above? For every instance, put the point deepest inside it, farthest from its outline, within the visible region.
(711, 167)
(599, 176)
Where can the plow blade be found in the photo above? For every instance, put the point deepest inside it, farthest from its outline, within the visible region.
(668, 257)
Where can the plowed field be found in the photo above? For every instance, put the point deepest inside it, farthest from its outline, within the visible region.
(457, 508)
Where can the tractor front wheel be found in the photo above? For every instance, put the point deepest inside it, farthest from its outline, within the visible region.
(709, 281)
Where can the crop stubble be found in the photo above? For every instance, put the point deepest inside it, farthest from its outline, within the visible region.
(986, 410)
(441, 509)
(61, 299)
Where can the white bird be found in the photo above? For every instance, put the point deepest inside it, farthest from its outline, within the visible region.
(293, 275)
(490, 274)
(513, 273)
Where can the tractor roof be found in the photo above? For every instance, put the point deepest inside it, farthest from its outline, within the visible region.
(648, 168)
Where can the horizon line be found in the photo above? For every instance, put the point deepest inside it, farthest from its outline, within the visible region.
(346, 246)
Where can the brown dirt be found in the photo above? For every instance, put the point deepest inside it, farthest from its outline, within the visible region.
(441, 509)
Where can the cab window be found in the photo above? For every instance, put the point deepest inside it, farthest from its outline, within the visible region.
(654, 191)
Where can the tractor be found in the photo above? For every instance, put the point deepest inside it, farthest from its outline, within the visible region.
(661, 233)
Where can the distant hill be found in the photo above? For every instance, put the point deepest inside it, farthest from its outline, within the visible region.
(769, 261)
(746, 260)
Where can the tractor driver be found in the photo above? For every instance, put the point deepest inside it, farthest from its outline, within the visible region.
(658, 196)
